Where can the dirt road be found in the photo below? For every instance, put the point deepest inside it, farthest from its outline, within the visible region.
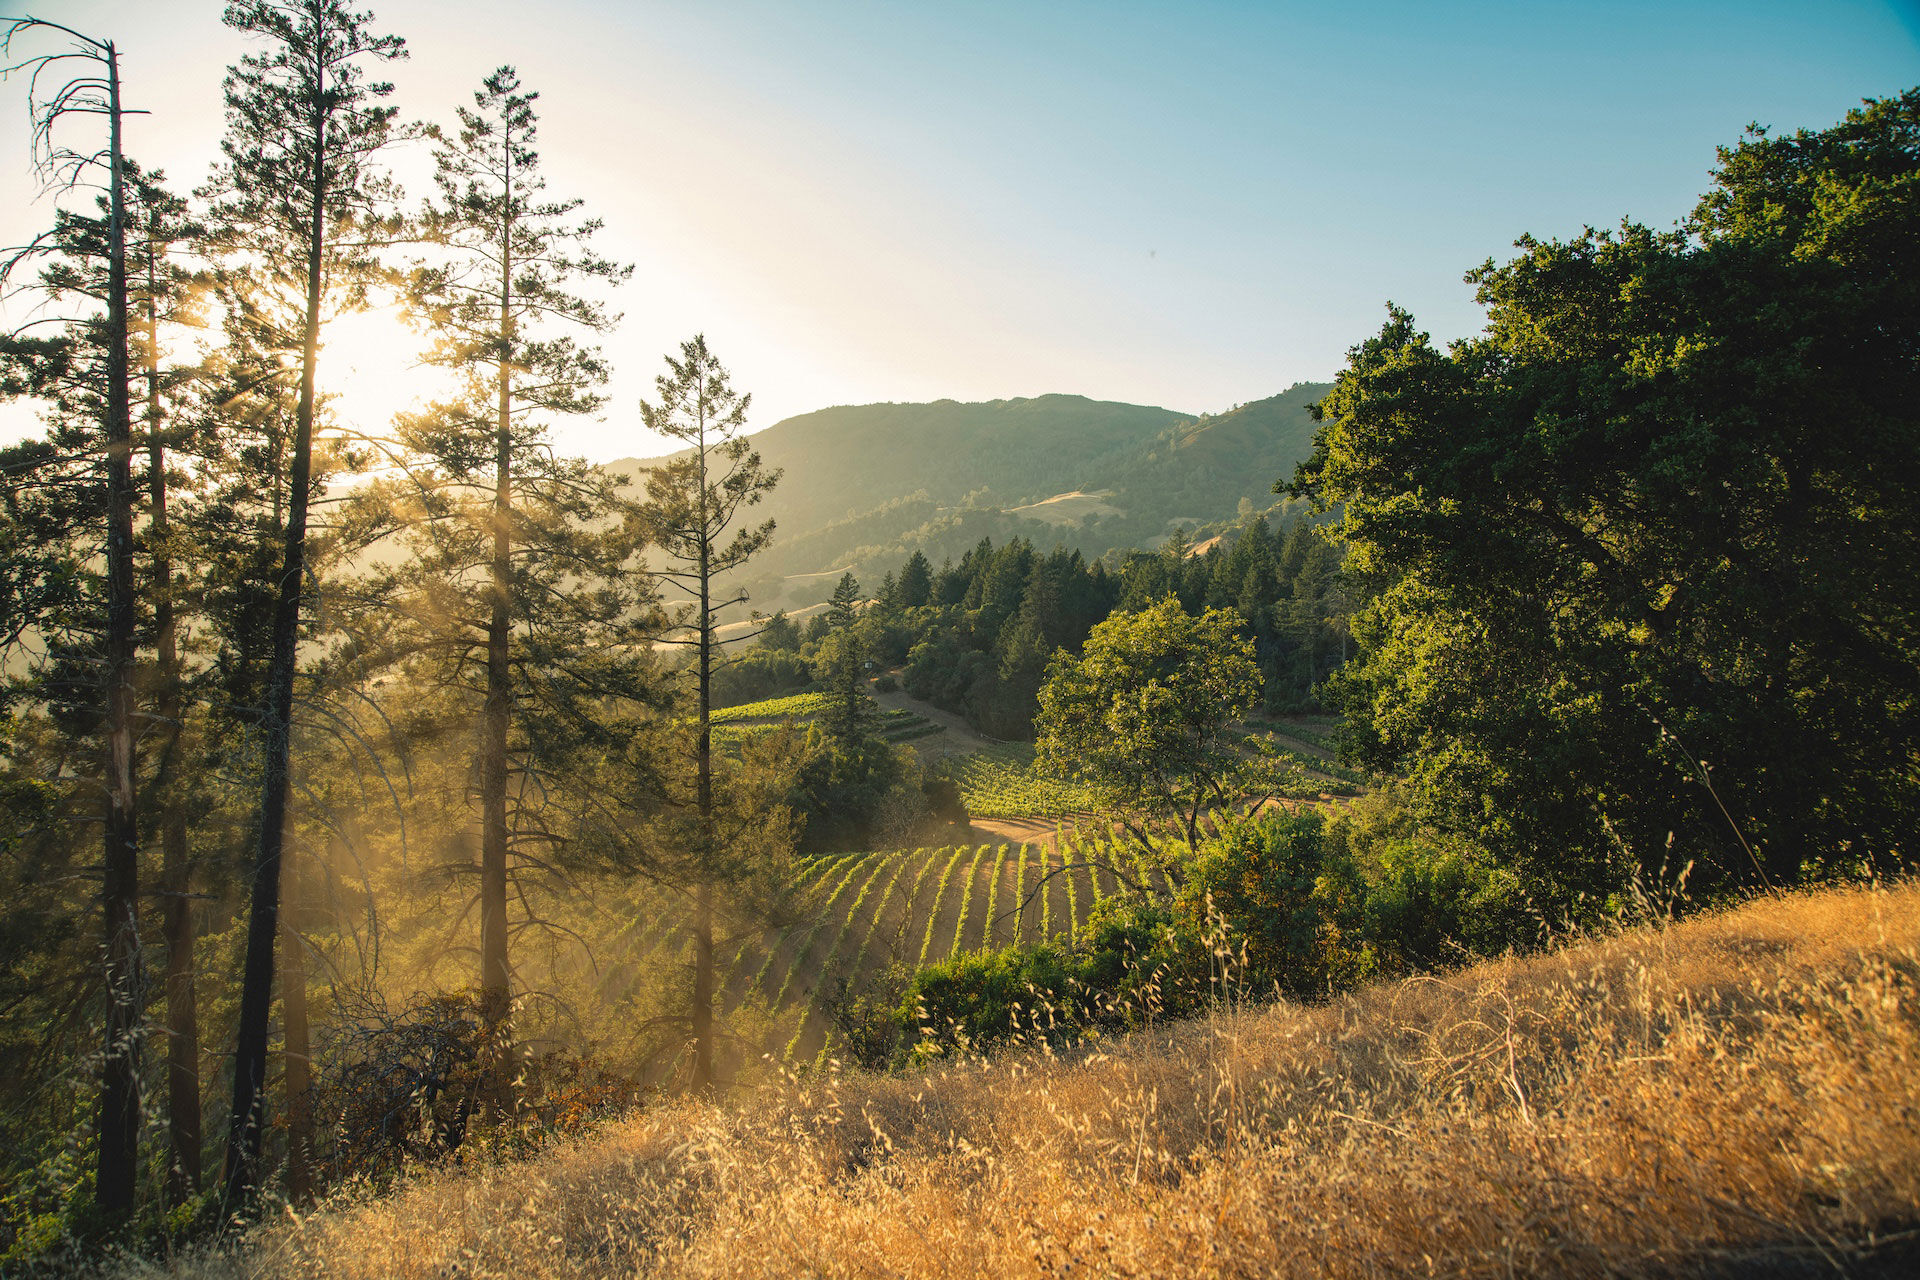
(959, 738)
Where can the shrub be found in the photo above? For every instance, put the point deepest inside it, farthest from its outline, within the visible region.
(979, 997)
(1128, 963)
(1430, 901)
(1293, 903)
(407, 1087)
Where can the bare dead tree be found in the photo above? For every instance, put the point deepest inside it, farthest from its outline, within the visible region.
(80, 80)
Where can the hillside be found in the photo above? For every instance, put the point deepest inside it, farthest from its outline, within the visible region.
(864, 486)
(1733, 1095)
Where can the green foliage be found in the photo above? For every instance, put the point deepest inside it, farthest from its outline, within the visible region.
(1294, 907)
(780, 634)
(844, 790)
(1143, 715)
(981, 996)
(1130, 962)
(993, 621)
(759, 674)
(1645, 545)
(843, 659)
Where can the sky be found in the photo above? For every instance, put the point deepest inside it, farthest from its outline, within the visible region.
(1188, 205)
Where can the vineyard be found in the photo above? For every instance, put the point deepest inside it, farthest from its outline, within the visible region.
(861, 912)
(1004, 782)
(1316, 734)
(748, 719)
(1316, 731)
(799, 706)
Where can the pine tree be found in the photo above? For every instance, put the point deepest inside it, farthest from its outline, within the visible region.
(915, 586)
(497, 519)
(780, 632)
(304, 128)
(843, 607)
(164, 291)
(851, 715)
(97, 266)
(693, 500)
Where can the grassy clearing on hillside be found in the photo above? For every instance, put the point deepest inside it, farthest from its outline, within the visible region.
(1736, 1095)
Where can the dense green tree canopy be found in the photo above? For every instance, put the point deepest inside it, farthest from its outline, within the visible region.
(1644, 547)
(1144, 711)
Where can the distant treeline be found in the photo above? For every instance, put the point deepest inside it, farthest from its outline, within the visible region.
(975, 637)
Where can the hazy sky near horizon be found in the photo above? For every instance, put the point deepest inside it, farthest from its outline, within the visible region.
(1189, 205)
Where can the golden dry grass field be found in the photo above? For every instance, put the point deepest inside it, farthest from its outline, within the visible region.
(1735, 1095)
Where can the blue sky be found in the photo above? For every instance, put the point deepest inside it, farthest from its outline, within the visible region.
(1189, 205)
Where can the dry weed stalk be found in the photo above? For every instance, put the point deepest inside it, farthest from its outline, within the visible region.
(1736, 1094)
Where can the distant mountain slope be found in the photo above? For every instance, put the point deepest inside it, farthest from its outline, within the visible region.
(1198, 470)
(866, 485)
(842, 461)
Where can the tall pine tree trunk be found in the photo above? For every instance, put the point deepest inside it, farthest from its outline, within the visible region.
(256, 991)
(703, 974)
(496, 996)
(176, 874)
(119, 1132)
(296, 1050)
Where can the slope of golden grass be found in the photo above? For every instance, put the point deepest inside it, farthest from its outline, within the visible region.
(1738, 1094)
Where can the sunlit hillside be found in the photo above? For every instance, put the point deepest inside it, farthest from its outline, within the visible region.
(1733, 1095)
(495, 780)
(866, 485)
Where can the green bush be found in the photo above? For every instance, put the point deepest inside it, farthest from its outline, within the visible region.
(1430, 901)
(1292, 904)
(979, 997)
(1129, 962)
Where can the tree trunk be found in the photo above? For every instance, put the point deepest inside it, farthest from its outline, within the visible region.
(297, 1051)
(176, 873)
(256, 991)
(703, 976)
(496, 996)
(119, 1126)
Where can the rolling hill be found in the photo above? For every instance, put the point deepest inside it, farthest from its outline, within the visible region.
(866, 485)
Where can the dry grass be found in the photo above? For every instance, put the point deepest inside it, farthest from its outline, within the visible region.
(1735, 1095)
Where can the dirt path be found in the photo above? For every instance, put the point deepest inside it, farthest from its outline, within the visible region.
(959, 738)
(1043, 832)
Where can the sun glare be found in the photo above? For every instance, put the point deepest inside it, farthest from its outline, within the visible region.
(370, 365)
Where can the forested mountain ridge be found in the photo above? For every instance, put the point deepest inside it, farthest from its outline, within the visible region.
(867, 485)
